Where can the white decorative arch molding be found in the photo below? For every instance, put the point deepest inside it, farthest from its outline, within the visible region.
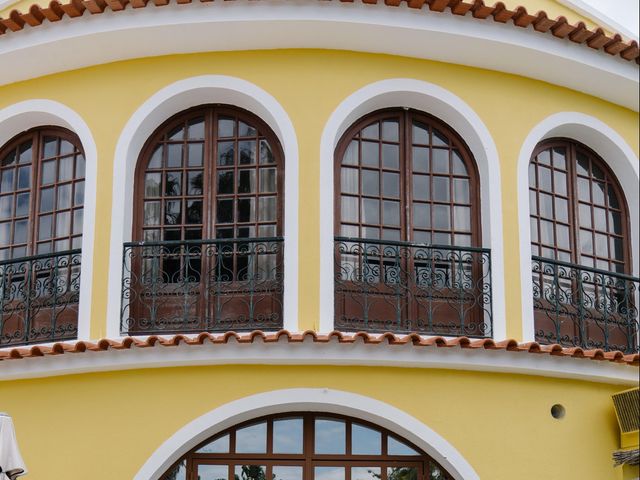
(173, 99)
(22, 116)
(300, 400)
(441, 103)
(613, 149)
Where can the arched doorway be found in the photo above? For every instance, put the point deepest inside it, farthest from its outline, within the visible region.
(306, 446)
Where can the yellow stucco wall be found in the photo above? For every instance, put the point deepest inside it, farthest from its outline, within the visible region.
(105, 96)
(104, 426)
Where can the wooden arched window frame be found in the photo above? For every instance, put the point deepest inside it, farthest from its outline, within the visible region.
(306, 446)
(407, 225)
(208, 223)
(41, 214)
(583, 291)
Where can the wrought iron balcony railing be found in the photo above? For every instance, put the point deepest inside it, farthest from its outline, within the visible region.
(409, 287)
(39, 298)
(202, 285)
(578, 306)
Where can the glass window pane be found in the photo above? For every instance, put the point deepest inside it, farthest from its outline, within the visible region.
(370, 154)
(598, 193)
(268, 178)
(370, 183)
(391, 213)
(250, 472)
(365, 441)
(439, 139)
(50, 147)
(252, 439)
(194, 212)
(560, 183)
(77, 221)
(562, 237)
(583, 190)
(196, 154)
(390, 185)
(402, 473)
(194, 183)
(371, 131)
(586, 242)
(24, 177)
(390, 156)
(600, 219)
(196, 129)
(365, 473)
(461, 193)
(396, 447)
(459, 167)
(615, 223)
(390, 130)
(246, 210)
(225, 153)
(266, 154)
(421, 187)
(546, 233)
(246, 181)
(225, 182)
(226, 127)
(213, 472)
(439, 160)
(63, 224)
(156, 158)
(224, 211)
(419, 134)
(22, 204)
(178, 472)
(370, 211)
(351, 154)
(328, 473)
(174, 155)
(462, 218)
(247, 149)
(172, 213)
(544, 157)
(617, 248)
(559, 158)
(219, 445)
(349, 209)
(177, 133)
(44, 228)
(562, 210)
(421, 215)
(349, 180)
(441, 217)
(5, 233)
(78, 196)
(441, 189)
(584, 213)
(544, 177)
(602, 245)
(330, 436)
(21, 228)
(48, 172)
(287, 473)
(6, 207)
(267, 209)
(152, 184)
(7, 181)
(46, 200)
(546, 205)
(173, 183)
(420, 157)
(287, 435)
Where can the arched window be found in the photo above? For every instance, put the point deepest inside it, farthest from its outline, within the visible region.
(209, 190)
(41, 214)
(407, 222)
(306, 446)
(580, 247)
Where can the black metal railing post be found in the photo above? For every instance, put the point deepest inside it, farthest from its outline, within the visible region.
(39, 298)
(202, 285)
(405, 287)
(584, 307)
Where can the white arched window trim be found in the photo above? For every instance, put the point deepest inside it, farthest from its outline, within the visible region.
(173, 99)
(23, 116)
(441, 103)
(299, 400)
(613, 149)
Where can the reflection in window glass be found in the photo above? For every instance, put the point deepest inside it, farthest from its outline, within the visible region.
(213, 472)
(365, 440)
(252, 439)
(287, 435)
(250, 472)
(328, 473)
(402, 473)
(287, 473)
(178, 472)
(330, 436)
(396, 447)
(220, 445)
(365, 473)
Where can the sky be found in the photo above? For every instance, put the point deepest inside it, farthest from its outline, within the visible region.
(622, 15)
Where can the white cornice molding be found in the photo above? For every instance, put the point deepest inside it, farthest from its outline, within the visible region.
(274, 24)
(310, 353)
(601, 18)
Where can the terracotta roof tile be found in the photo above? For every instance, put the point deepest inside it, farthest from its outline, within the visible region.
(520, 17)
(257, 336)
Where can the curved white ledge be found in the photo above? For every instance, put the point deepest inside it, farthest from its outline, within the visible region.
(272, 24)
(300, 400)
(332, 353)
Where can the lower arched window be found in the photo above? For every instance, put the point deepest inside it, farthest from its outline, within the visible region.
(408, 253)
(583, 292)
(41, 216)
(306, 446)
(208, 226)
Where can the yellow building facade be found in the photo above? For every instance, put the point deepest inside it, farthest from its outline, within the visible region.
(112, 372)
